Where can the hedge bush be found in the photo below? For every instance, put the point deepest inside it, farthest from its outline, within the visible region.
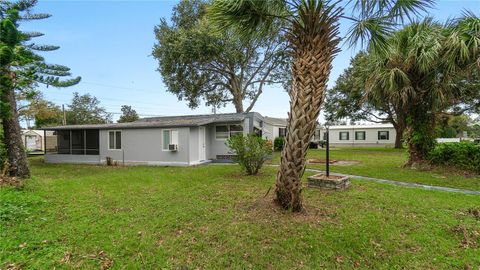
(464, 155)
(251, 151)
(278, 143)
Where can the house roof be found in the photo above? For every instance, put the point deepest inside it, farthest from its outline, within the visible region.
(163, 121)
(36, 132)
(275, 121)
(374, 126)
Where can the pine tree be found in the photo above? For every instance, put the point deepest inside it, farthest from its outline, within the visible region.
(21, 69)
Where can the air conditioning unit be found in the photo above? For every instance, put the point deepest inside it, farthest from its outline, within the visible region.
(173, 147)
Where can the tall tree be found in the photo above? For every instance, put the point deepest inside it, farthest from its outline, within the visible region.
(128, 114)
(197, 63)
(348, 98)
(312, 31)
(20, 67)
(86, 109)
(43, 113)
(420, 69)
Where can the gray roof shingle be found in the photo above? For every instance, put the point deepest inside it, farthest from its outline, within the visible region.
(163, 121)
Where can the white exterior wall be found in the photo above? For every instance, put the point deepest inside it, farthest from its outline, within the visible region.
(371, 137)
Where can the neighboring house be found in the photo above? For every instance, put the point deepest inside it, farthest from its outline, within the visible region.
(277, 127)
(171, 140)
(361, 135)
(34, 140)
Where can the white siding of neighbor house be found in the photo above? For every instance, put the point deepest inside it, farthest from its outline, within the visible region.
(371, 135)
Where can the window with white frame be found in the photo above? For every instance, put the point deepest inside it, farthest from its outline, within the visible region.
(223, 132)
(360, 135)
(282, 132)
(114, 140)
(383, 135)
(169, 136)
(344, 136)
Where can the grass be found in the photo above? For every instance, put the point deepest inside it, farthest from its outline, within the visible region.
(386, 163)
(214, 217)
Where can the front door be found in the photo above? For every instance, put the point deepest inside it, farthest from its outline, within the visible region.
(201, 144)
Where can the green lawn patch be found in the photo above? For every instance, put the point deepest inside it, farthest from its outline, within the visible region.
(386, 163)
(213, 217)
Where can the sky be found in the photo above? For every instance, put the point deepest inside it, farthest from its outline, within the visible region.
(109, 43)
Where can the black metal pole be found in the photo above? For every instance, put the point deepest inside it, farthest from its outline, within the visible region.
(327, 163)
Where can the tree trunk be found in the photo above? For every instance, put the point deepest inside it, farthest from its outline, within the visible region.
(238, 102)
(420, 136)
(399, 130)
(312, 57)
(17, 158)
(236, 90)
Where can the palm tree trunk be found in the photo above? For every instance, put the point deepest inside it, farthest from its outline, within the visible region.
(399, 130)
(17, 158)
(313, 53)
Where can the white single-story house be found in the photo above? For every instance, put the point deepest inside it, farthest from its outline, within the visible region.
(170, 140)
(361, 135)
(34, 140)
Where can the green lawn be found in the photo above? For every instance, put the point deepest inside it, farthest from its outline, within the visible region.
(387, 163)
(213, 217)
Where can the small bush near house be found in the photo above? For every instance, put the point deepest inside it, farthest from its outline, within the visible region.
(278, 143)
(250, 151)
(463, 155)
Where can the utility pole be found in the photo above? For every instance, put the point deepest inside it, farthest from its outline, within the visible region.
(64, 115)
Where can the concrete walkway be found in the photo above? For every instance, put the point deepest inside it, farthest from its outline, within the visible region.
(404, 184)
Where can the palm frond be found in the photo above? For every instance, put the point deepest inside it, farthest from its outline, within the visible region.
(375, 20)
(247, 17)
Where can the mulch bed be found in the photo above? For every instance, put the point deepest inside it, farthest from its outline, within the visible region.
(9, 181)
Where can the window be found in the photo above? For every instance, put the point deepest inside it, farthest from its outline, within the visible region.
(114, 140)
(344, 136)
(360, 135)
(169, 136)
(325, 136)
(383, 135)
(282, 132)
(223, 132)
(235, 129)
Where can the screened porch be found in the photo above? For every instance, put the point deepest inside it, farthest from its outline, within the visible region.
(74, 142)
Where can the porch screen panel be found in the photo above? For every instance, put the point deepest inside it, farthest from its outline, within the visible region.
(63, 141)
(92, 142)
(78, 142)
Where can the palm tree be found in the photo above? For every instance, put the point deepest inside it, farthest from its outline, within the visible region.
(419, 70)
(312, 31)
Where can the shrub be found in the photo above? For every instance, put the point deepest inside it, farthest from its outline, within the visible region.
(278, 143)
(250, 151)
(464, 155)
